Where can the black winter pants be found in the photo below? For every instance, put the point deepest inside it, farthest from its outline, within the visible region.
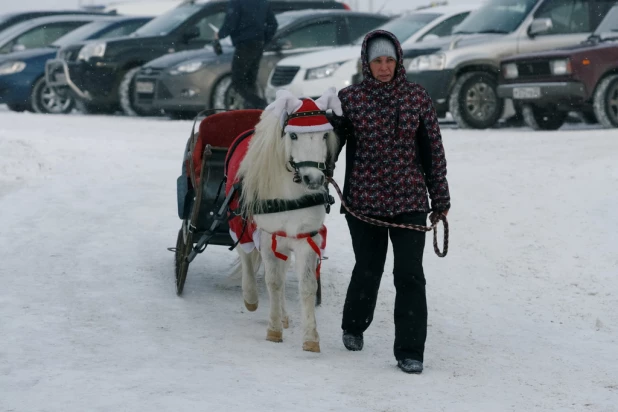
(245, 68)
(370, 244)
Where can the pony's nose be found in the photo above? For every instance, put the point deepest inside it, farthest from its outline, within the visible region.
(313, 181)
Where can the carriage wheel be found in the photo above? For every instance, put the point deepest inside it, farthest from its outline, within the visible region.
(318, 294)
(181, 264)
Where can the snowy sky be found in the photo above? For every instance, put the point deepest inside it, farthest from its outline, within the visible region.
(363, 5)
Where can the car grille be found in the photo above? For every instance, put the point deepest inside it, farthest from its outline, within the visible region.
(284, 75)
(150, 71)
(535, 69)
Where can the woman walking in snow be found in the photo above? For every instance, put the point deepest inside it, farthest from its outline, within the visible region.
(394, 157)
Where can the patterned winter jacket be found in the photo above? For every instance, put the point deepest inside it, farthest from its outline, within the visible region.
(394, 152)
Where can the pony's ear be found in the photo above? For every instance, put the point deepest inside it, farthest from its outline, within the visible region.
(329, 100)
(284, 104)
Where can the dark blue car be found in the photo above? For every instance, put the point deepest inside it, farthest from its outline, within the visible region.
(22, 74)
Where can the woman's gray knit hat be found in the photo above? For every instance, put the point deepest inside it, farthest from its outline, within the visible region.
(381, 46)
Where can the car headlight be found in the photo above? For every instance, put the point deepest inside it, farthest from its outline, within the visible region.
(431, 62)
(11, 68)
(188, 67)
(560, 67)
(92, 50)
(322, 71)
(510, 71)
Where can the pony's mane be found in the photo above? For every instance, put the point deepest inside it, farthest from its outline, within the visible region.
(265, 163)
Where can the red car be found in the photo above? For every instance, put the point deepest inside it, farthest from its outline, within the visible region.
(584, 78)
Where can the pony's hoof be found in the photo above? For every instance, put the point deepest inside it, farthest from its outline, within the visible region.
(251, 307)
(311, 346)
(286, 322)
(274, 336)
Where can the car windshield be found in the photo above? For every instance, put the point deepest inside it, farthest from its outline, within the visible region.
(404, 27)
(497, 16)
(609, 25)
(167, 22)
(80, 34)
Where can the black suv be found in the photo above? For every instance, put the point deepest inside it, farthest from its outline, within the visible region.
(101, 73)
(10, 19)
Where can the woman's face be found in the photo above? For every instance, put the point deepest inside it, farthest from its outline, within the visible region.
(383, 68)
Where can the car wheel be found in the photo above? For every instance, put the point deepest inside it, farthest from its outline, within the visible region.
(45, 100)
(474, 103)
(606, 101)
(127, 99)
(546, 118)
(225, 97)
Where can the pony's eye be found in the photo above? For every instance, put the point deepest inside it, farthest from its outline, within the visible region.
(293, 136)
(325, 136)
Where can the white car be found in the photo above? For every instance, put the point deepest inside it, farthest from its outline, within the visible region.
(308, 75)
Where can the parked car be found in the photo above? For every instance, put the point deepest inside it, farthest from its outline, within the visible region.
(461, 72)
(101, 73)
(183, 84)
(141, 8)
(40, 32)
(310, 73)
(22, 74)
(10, 19)
(580, 78)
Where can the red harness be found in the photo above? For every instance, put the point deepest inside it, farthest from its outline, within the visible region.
(309, 237)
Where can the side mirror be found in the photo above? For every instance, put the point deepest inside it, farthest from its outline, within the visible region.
(18, 47)
(191, 33)
(539, 26)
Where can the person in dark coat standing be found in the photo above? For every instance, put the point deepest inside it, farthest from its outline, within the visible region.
(394, 158)
(251, 24)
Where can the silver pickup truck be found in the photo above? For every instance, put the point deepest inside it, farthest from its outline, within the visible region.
(461, 72)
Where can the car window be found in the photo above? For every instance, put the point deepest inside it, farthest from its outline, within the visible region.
(445, 28)
(41, 36)
(167, 22)
(318, 34)
(496, 16)
(204, 25)
(598, 10)
(361, 25)
(404, 27)
(567, 16)
(122, 30)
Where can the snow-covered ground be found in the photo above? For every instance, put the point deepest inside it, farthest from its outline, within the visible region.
(522, 311)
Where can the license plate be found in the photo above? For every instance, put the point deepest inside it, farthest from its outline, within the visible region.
(144, 87)
(526, 92)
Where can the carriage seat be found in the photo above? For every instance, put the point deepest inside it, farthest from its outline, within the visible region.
(220, 130)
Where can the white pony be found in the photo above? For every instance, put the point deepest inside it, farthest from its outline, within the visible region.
(285, 162)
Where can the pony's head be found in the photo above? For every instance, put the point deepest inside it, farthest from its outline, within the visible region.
(307, 134)
(293, 135)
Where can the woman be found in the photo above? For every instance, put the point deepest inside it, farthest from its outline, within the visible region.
(394, 157)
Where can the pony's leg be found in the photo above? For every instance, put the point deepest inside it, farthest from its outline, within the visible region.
(275, 277)
(306, 263)
(250, 263)
(285, 320)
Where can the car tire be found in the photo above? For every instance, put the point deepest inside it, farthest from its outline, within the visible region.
(45, 100)
(125, 91)
(548, 118)
(181, 115)
(474, 102)
(605, 101)
(224, 96)
(19, 107)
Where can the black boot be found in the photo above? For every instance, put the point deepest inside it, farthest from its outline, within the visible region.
(352, 342)
(410, 365)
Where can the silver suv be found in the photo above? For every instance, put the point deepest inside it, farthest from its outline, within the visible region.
(461, 72)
